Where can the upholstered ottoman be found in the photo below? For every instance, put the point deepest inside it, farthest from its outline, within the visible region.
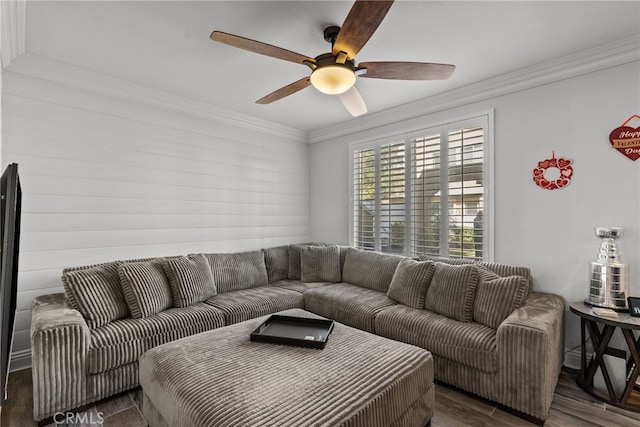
(221, 378)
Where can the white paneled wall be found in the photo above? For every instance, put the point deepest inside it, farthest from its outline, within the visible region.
(105, 178)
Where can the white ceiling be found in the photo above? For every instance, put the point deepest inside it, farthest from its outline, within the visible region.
(166, 45)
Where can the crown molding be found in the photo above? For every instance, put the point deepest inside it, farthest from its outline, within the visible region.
(65, 75)
(12, 20)
(594, 59)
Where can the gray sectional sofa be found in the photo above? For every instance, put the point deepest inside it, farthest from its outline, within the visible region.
(488, 333)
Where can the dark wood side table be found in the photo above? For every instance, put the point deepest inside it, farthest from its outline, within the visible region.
(601, 330)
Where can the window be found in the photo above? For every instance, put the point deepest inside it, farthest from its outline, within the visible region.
(425, 193)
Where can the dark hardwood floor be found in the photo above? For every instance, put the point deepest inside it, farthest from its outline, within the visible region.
(454, 408)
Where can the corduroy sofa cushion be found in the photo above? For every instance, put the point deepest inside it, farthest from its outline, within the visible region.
(497, 297)
(145, 287)
(471, 344)
(320, 264)
(277, 261)
(125, 340)
(411, 281)
(246, 304)
(299, 286)
(447, 260)
(346, 303)
(505, 270)
(295, 267)
(453, 291)
(96, 293)
(368, 269)
(236, 271)
(190, 279)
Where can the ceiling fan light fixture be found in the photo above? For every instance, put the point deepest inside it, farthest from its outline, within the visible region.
(333, 79)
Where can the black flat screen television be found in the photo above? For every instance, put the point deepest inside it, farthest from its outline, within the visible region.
(11, 202)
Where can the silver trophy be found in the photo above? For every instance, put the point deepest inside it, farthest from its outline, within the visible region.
(608, 274)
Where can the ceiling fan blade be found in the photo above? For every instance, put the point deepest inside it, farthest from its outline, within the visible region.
(259, 47)
(353, 102)
(406, 70)
(360, 24)
(285, 91)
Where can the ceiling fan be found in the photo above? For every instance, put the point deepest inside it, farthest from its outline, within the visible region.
(335, 73)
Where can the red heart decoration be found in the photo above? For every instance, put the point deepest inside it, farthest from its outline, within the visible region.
(544, 164)
(563, 163)
(562, 182)
(626, 140)
(552, 163)
(538, 171)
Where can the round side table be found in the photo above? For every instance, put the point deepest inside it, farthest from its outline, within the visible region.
(601, 330)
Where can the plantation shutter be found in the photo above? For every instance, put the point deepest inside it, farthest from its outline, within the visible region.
(465, 193)
(364, 198)
(425, 201)
(392, 203)
(424, 195)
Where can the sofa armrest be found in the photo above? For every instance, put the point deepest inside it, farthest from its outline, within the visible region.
(59, 351)
(530, 350)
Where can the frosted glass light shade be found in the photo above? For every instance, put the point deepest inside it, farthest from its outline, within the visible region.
(333, 79)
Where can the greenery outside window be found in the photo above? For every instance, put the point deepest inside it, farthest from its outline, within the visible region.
(426, 192)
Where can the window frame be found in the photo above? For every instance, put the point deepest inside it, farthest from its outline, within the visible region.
(389, 135)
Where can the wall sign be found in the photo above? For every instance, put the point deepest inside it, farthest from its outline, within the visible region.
(626, 139)
(553, 174)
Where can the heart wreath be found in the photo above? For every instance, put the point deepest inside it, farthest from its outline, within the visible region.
(565, 173)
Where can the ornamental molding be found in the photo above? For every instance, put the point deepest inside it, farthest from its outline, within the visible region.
(12, 22)
(595, 59)
(36, 67)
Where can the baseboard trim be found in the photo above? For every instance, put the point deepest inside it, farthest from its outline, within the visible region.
(20, 360)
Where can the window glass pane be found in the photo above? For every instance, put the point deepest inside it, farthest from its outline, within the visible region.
(425, 195)
(465, 193)
(392, 182)
(364, 200)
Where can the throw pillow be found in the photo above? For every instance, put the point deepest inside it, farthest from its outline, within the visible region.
(295, 268)
(190, 279)
(320, 264)
(236, 271)
(145, 287)
(410, 282)
(452, 291)
(277, 262)
(497, 297)
(96, 293)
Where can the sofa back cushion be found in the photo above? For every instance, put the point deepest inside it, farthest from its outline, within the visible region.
(190, 279)
(96, 293)
(447, 260)
(497, 297)
(410, 282)
(505, 270)
(320, 264)
(277, 261)
(236, 271)
(145, 287)
(368, 269)
(452, 291)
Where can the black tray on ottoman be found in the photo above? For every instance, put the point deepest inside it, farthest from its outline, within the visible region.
(290, 330)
